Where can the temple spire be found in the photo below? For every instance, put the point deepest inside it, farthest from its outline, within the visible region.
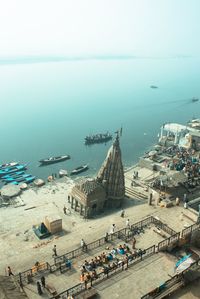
(111, 173)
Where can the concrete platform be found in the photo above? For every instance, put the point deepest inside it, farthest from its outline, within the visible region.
(21, 248)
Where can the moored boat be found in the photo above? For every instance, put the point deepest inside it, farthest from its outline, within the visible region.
(27, 180)
(52, 160)
(15, 175)
(98, 138)
(8, 165)
(153, 86)
(18, 178)
(79, 169)
(12, 170)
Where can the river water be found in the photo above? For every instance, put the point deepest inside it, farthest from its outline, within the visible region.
(48, 108)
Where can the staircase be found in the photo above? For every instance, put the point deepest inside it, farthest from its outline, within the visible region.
(131, 192)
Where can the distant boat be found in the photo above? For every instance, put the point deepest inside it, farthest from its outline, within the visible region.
(195, 99)
(79, 169)
(153, 86)
(52, 160)
(98, 138)
(8, 165)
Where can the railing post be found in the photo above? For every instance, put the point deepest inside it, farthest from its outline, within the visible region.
(20, 280)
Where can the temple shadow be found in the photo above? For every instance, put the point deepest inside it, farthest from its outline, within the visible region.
(128, 202)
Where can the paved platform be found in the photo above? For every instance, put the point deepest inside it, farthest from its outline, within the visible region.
(71, 277)
(139, 279)
(21, 248)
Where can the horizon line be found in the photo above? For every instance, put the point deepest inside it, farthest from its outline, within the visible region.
(29, 59)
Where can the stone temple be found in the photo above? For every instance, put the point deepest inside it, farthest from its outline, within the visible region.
(93, 196)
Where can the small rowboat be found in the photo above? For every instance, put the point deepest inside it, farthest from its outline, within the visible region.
(79, 169)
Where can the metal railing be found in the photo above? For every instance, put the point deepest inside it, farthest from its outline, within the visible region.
(163, 226)
(77, 289)
(122, 234)
(23, 277)
(173, 240)
(142, 224)
(189, 230)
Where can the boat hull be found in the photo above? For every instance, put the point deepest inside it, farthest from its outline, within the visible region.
(54, 160)
(98, 138)
(8, 165)
(103, 140)
(79, 170)
(12, 170)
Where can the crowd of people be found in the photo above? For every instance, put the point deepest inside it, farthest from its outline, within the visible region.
(108, 261)
(185, 160)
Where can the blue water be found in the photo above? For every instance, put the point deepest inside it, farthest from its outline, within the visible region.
(48, 108)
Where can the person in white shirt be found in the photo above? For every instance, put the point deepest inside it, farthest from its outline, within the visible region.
(127, 223)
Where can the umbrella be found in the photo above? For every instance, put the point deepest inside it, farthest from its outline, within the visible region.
(23, 186)
(39, 182)
(10, 190)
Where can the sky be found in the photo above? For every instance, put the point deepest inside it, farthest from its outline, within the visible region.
(99, 27)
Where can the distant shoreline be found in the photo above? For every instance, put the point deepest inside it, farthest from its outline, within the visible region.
(14, 60)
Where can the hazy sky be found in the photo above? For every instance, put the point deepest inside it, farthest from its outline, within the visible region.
(138, 27)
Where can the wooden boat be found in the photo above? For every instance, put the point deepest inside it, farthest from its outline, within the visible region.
(52, 160)
(27, 180)
(12, 170)
(8, 165)
(79, 169)
(153, 86)
(15, 175)
(98, 138)
(17, 178)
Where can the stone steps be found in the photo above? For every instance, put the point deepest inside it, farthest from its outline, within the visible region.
(131, 192)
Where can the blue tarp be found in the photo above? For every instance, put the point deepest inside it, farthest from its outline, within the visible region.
(182, 260)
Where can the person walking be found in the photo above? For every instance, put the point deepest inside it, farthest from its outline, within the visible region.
(106, 237)
(64, 210)
(127, 223)
(184, 197)
(122, 213)
(177, 201)
(10, 271)
(54, 251)
(39, 288)
(43, 282)
(133, 243)
(112, 230)
(83, 245)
